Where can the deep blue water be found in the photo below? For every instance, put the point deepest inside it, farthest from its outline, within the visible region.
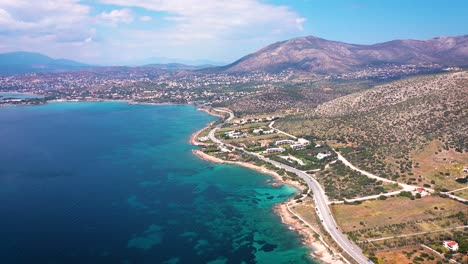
(117, 183)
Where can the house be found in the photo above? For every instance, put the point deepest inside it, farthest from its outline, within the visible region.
(274, 150)
(318, 146)
(321, 156)
(421, 191)
(203, 139)
(451, 245)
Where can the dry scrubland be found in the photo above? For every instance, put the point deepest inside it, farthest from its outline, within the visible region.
(397, 210)
(297, 95)
(388, 124)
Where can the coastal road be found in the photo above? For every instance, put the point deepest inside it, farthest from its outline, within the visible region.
(211, 134)
(320, 199)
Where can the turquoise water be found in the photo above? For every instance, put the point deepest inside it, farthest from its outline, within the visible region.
(117, 183)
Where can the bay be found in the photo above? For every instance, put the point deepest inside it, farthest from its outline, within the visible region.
(117, 183)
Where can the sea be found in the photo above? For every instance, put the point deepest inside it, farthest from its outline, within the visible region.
(111, 182)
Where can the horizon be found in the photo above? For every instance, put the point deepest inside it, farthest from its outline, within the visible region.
(212, 31)
(202, 62)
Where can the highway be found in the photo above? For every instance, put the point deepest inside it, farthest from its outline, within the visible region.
(320, 199)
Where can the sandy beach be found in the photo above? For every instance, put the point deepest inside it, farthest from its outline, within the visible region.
(320, 251)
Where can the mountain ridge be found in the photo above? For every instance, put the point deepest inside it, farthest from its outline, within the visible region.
(313, 54)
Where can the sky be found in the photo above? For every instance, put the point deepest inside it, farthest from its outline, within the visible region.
(116, 32)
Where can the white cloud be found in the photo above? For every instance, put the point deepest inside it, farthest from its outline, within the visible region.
(117, 16)
(220, 18)
(146, 18)
(49, 17)
(210, 29)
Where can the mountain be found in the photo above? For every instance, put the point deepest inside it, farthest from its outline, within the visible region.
(312, 54)
(177, 66)
(29, 62)
(164, 60)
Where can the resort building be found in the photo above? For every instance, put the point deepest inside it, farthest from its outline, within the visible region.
(300, 144)
(284, 142)
(234, 134)
(274, 150)
(303, 141)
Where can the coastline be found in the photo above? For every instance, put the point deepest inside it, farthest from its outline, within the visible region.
(320, 251)
(307, 235)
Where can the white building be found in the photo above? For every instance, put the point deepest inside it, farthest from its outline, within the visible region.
(451, 245)
(274, 150)
(234, 134)
(257, 131)
(321, 156)
(297, 147)
(284, 142)
(303, 141)
(203, 139)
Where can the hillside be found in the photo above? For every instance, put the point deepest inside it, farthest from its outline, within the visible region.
(312, 54)
(28, 62)
(384, 127)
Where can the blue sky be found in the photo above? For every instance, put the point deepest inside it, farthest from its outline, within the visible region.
(130, 31)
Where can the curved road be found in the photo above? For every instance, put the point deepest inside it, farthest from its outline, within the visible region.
(320, 199)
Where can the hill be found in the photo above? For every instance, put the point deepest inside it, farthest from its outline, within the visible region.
(312, 54)
(383, 129)
(29, 62)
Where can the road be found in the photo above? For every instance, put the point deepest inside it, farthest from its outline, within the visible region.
(279, 131)
(405, 187)
(320, 199)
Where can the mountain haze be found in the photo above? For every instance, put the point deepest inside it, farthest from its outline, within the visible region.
(312, 54)
(27, 62)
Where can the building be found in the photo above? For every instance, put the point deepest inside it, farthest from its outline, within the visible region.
(203, 139)
(263, 132)
(321, 156)
(267, 132)
(300, 144)
(303, 141)
(234, 134)
(284, 142)
(297, 147)
(421, 191)
(274, 150)
(451, 245)
(257, 131)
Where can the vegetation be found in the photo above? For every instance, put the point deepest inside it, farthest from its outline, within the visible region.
(341, 182)
(381, 128)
